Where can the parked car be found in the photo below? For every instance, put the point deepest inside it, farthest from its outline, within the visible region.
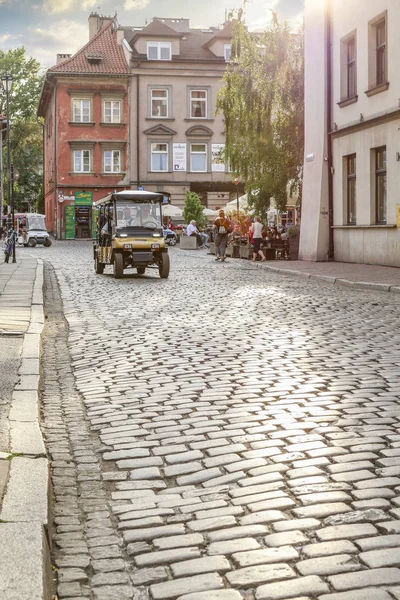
(170, 236)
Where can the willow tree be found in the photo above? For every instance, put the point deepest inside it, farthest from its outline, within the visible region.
(262, 105)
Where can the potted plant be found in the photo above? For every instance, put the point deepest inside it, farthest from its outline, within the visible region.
(294, 239)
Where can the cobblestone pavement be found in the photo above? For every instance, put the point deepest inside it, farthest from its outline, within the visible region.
(224, 434)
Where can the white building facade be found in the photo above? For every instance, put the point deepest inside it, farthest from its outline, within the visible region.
(351, 192)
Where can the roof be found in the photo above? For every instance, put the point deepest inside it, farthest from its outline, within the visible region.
(225, 33)
(133, 195)
(158, 29)
(193, 43)
(102, 54)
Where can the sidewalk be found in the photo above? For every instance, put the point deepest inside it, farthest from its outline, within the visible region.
(384, 279)
(25, 571)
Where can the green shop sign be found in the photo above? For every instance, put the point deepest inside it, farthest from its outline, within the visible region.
(83, 198)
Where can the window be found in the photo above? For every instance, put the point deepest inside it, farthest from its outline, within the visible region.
(227, 52)
(159, 102)
(380, 185)
(198, 104)
(112, 161)
(378, 78)
(159, 157)
(81, 111)
(112, 111)
(380, 29)
(351, 189)
(351, 69)
(198, 158)
(159, 50)
(81, 161)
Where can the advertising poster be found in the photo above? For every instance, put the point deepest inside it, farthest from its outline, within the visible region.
(84, 198)
(179, 157)
(218, 157)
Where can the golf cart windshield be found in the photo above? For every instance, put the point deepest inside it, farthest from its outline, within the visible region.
(138, 215)
(36, 222)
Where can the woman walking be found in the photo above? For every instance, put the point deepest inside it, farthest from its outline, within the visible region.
(221, 228)
(257, 229)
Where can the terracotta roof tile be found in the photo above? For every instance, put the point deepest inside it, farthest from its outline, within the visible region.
(102, 54)
(157, 28)
(222, 34)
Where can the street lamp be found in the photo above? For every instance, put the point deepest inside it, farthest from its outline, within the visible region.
(14, 177)
(6, 82)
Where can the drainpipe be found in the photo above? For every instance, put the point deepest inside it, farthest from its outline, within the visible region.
(54, 160)
(329, 110)
(137, 131)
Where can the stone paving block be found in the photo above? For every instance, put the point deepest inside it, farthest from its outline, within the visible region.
(329, 548)
(328, 565)
(369, 578)
(288, 538)
(366, 594)
(321, 510)
(179, 541)
(261, 573)
(312, 585)
(26, 438)
(233, 533)
(381, 541)
(381, 558)
(207, 564)
(24, 562)
(264, 556)
(187, 585)
(231, 546)
(337, 532)
(166, 556)
(138, 535)
(213, 595)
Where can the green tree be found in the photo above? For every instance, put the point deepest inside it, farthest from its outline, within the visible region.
(26, 133)
(193, 209)
(262, 104)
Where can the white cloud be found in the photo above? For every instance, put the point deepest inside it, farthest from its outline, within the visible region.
(4, 38)
(58, 6)
(138, 4)
(65, 35)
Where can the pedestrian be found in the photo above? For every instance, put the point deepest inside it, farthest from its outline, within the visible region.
(171, 225)
(192, 230)
(222, 228)
(257, 229)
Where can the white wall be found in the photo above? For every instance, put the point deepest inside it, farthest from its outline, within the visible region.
(314, 215)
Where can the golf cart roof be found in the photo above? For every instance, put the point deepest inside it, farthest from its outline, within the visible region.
(132, 195)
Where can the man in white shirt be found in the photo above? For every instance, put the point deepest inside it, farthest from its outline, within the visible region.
(202, 238)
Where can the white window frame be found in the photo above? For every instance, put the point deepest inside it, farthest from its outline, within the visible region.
(153, 153)
(81, 154)
(78, 116)
(109, 161)
(113, 105)
(205, 153)
(159, 46)
(153, 97)
(205, 100)
(227, 52)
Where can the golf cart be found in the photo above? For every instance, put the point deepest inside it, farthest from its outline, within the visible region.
(130, 233)
(31, 230)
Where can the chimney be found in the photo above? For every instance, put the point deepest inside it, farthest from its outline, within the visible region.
(96, 22)
(62, 57)
(120, 35)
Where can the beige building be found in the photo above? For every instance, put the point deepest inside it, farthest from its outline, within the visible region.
(176, 140)
(351, 200)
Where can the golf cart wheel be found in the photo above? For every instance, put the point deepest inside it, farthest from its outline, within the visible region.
(47, 242)
(140, 270)
(118, 266)
(99, 267)
(32, 242)
(172, 241)
(164, 266)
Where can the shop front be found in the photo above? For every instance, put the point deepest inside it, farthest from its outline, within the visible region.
(80, 217)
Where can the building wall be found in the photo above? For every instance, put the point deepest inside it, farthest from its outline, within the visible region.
(178, 79)
(358, 127)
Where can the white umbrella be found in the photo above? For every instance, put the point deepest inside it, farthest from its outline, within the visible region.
(169, 210)
(210, 213)
(232, 205)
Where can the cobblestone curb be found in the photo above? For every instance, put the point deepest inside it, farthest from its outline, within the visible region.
(25, 535)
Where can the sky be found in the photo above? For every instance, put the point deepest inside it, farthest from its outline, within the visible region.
(48, 27)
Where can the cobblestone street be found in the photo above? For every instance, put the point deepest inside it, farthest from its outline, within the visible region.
(225, 434)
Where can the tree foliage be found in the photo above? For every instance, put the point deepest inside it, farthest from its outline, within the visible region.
(26, 133)
(193, 209)
(263, 108)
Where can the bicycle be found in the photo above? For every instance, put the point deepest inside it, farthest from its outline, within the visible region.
(9, 244)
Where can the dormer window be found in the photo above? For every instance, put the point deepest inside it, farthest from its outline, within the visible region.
(159, 50)
(227, 52)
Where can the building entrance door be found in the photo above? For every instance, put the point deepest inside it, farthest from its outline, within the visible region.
(83, 222)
